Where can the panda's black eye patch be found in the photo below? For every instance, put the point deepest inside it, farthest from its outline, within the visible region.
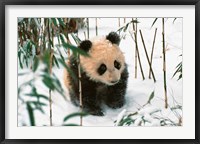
(102, 69)
(117, 65)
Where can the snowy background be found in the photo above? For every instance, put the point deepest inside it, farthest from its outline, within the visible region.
(138, 91)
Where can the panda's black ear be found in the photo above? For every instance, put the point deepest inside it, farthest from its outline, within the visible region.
(86, 45)
(113, 37)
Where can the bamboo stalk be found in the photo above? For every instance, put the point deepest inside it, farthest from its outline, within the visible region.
(138, 57)
(119, 22)
(135, 29)
(96, 26)
(50, 96)
(80, 87)
(151, 61)
(41, 33)
(85, 35)
(50, 71)
(147, 56)
(68, 50)
(124, 20)
(164, 63)
(80, 91)
(88, 32)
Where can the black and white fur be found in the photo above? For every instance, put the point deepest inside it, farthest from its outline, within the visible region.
(103, 75)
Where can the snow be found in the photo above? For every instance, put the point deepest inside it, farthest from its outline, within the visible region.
(138, 91)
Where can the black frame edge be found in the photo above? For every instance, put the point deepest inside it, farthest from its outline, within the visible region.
(197, 60)
(2, 72)
(101, 2)
(88, 2)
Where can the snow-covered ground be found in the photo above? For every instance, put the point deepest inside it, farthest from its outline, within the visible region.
(138, 91)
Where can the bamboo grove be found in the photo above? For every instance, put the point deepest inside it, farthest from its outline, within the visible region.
(40, 41)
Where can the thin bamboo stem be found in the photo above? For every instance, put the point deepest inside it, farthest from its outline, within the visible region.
(88, 32)
(135, 29)
(164, 63)
(68, 50)
(84, 35)
(151, 61)
(41, 33)
(80, 91)
(50, 96)
(96, 26)
(147, 56)
(119, 22)
(50, 70)
(138, 56)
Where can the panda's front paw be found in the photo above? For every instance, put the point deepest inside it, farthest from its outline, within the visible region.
(116, 104)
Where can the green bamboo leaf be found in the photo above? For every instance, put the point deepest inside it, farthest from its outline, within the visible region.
(37, 95)
(37, 103)
(76, 39)
(180, 76)
(70, 125)
(46, 58)
(151, 97)
(178, 70)
(60, 53)
(31, 114)
(176, 107)
(57, 85)
(74, 49)
(120, 29)
(28, 47)
(48, 82)
(19, 57)
(68, 69)
(35, 63)
(22, 73)
(174, 20)
(154, 22)
(61, 22)
(125, 121)
(55, 61)
(25, 60)
(74, 115)
(40, 109)
(126, 26)
(54, 21)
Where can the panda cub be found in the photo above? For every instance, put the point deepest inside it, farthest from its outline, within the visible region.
(103, 75)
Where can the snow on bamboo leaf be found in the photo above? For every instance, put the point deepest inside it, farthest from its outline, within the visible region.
(120, 117)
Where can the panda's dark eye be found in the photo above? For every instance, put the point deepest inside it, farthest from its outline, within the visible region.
(102, 69)
(117, 65)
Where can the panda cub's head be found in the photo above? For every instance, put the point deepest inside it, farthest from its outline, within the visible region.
(106, 61)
